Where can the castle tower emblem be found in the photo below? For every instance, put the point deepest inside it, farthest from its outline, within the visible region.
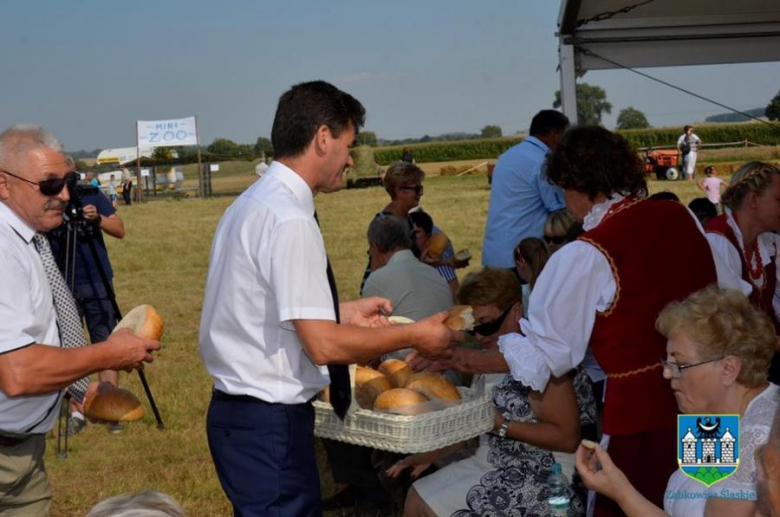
(708, 446)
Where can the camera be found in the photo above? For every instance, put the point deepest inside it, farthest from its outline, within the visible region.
(74, 210)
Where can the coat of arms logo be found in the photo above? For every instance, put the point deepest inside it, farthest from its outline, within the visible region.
(708, 446)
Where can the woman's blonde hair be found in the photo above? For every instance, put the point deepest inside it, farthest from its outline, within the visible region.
(753, 177)
(558, 223)
(723, 323)
(490, 286)
(535, 253)
(402, 174)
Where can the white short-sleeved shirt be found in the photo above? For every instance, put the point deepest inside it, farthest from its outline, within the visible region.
(267, 268)
(27, 316)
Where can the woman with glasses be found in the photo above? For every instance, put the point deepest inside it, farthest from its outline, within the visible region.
(743, 237)
(403, 182)
(557, 227)
(508, 472)
(718, 350)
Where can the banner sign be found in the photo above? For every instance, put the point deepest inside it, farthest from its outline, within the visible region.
(167, 133)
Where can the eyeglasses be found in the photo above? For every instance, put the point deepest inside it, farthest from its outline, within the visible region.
(417, 189)
(51, 187)
(491, 327)
(557, 239)
(676, 369)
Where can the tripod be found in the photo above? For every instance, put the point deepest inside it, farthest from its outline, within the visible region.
(74, 228)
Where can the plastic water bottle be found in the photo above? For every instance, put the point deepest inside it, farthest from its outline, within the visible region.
(557, 485)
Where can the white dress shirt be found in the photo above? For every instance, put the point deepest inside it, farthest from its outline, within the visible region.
(27, 316)
(575, 284)
(267, 268)
(730, 256)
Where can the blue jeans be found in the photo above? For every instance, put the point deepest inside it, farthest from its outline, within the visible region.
(95, 308)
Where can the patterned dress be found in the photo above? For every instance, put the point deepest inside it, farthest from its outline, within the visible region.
(518, 485)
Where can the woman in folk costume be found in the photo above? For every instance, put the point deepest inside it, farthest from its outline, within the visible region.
(743, 237)
(605, 291)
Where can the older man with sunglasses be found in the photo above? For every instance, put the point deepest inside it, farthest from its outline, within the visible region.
(41, 352)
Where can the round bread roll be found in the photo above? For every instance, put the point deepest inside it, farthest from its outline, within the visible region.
(400, 398)
(397, 371)
(460, 318)
(436, 245)
(112, 404)
(144, 321)
(433, 386)
(369, 384)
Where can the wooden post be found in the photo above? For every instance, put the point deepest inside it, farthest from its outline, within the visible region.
(201, 186)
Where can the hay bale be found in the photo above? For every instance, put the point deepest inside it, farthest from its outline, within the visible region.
(365, 165)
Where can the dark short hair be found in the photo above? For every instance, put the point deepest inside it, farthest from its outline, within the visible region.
(703, 209)
(307, 106)
(686, 128)
(709, 169)
(422, 220)
(389, 232)
(593, 161)
(665, 195)
(548, 121)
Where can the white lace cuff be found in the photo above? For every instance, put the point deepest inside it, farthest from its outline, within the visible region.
(526, 364)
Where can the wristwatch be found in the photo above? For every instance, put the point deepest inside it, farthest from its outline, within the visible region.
(502, 430)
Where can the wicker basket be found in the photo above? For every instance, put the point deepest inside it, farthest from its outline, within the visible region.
(408, 434)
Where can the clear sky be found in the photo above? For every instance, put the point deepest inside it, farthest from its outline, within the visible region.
(88, 69)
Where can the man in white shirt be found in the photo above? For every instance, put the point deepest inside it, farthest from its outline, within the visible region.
(688, 144)
(34, 366)
(271, 317)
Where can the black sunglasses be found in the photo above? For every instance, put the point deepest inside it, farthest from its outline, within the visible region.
(54, 186)
(417, 189)
(558, 239)
(491, 327)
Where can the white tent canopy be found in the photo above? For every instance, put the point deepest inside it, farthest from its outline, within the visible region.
(605, 34)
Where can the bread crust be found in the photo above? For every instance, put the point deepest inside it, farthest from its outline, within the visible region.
(112, 404)
(433, 386)
(144, 321)
(398, 398)
(397, 371)
(369, 384)
(460, 318)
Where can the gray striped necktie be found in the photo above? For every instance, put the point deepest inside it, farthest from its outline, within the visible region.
(71, 331)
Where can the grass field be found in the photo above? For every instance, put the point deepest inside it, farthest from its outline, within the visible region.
(162, 261)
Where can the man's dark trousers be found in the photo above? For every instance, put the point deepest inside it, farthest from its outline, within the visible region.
(264, 455)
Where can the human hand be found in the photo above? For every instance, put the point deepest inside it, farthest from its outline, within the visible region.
(129, 351)
(600, 474)
(420, 462)
(367, 312)
(433, 338)
(90, 213)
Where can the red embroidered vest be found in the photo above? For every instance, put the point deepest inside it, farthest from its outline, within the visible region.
(657, 255)
(760, 297)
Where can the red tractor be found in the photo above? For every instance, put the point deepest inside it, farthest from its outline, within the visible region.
(663, 163)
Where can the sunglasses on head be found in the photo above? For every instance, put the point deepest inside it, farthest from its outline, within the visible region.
(558, 239)
(491, 327)
(53, 186)
(417, 189)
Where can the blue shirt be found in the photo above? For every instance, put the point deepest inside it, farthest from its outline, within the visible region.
(85, 270)
(521, 198)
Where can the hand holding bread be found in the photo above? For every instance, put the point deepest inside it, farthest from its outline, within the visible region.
(134, 339)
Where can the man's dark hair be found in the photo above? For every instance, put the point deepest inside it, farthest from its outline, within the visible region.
(307, 106)
(686, 128)
(593, 161)
(423, 221)
(548, 121)
(665, 196)
(703, 209)
(388, 233)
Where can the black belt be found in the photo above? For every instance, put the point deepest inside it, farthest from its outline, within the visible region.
(13, 441)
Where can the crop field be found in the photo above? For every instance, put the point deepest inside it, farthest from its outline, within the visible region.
(162, 261)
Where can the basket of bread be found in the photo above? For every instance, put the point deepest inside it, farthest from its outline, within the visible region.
(395, 409)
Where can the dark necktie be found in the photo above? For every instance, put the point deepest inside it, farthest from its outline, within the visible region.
(340, 391)
(68, 320)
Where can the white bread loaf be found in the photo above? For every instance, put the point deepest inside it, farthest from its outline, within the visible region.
(433, 386)
(460, 318)
(113, 404)
(400, 400)
(369, 384)
(397, 371)
(144, 321)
